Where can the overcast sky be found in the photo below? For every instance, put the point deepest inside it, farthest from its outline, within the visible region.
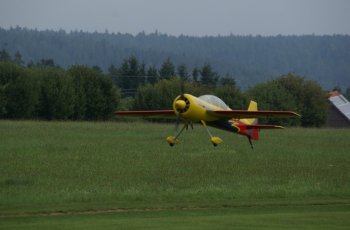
(175, 17)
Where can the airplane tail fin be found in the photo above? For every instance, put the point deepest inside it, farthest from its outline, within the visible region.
(250, 126)
(253, 106)
(251, 131)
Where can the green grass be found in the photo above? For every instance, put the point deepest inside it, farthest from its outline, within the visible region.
(299, 217)
(50, 167)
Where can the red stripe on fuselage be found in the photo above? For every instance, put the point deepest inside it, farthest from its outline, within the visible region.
(235, 126)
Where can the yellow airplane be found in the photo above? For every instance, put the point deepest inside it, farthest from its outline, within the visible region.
(210, 110)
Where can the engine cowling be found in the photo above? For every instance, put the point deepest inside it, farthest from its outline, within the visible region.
(190, 108)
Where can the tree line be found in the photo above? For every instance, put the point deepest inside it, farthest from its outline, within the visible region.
(132, 73)
(43, 90)
(51, 93)
(251, 59)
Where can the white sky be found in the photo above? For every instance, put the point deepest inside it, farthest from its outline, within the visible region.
(175, 17)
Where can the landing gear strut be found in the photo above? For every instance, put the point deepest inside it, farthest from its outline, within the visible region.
(173, 140)
(214, 140)
(250, 142)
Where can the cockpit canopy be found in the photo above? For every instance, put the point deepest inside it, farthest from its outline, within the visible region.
(215, 101)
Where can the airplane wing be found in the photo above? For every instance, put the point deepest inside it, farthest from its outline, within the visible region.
(243, 114)
(147, 113)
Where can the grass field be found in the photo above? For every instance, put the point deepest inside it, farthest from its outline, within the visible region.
(109, 174)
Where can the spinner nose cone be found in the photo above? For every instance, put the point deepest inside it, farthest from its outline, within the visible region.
(180, 104)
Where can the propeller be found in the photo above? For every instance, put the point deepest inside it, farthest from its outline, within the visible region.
(182, 104)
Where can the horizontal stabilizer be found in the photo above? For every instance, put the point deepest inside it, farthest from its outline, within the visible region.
(264, 127)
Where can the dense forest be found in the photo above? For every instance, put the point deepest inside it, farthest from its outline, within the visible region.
(250, 59)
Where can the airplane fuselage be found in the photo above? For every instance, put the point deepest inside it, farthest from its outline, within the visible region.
(197, 111)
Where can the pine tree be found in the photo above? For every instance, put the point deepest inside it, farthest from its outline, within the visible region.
(195, 75)
(182, 72)
(347, 93)
(5, 56)
(18, 58)
(208, 76)
(167, 69)
(152, 74)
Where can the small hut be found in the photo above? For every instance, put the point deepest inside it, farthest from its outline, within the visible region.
(339, 114)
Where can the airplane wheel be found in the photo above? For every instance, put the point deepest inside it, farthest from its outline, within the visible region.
(215, 141)
(171, 140)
